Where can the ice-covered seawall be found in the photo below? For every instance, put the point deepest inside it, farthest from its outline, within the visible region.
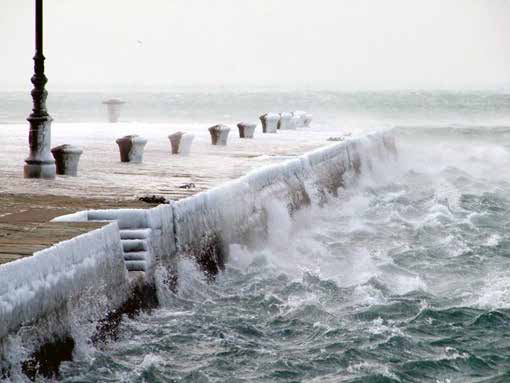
(238, 211)
(89, 274)
(203, 226)
(51, 279)
(60, 290)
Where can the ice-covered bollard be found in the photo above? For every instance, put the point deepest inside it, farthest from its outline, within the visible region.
(296, 122)
(219, 134)
(185, 146)
(307, 120)
(66, 159)
(186, 141)
(113, 107)
(181, 143)
(285, 121)
(131, 148)
(299, 118)
(269, 122)
(246, 129)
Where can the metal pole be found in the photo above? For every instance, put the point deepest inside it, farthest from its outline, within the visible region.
(40, 162)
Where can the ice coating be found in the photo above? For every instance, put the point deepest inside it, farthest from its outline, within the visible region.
(300, 118)
(219, 134)
(285, 121)
(56, 279)
(185, 144)
(156, 224)
(236, 213)
(269, 122)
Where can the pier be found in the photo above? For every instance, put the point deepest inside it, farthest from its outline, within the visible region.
(287, 192)
(27, 206)
(101, 175)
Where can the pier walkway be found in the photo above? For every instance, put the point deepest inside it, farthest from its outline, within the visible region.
(27, 205)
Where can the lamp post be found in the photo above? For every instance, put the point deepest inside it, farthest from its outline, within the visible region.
(40, 162)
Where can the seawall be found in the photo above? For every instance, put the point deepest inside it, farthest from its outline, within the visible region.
(68, 290)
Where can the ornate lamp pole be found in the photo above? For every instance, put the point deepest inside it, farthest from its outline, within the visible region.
(40, 162)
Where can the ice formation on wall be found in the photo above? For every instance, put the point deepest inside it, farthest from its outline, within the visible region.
(236, 213)
(54, 279)
(204, 225)
(147, 235)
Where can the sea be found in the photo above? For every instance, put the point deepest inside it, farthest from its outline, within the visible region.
(405, 277)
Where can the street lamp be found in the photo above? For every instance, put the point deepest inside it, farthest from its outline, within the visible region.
(40, 162)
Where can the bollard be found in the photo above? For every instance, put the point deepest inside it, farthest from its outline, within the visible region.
(113, 107)
(299, 117)
(246, 130)
(269, 122)
(219, 134)
(131, 148)
(285, 121)
(66, 159)
(185, 146)
(181, 143)
(175, 141)
(296, 122)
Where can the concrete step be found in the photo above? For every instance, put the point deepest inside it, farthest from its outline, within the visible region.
(130, 245)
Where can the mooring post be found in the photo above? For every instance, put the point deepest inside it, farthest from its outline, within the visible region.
(40, 162)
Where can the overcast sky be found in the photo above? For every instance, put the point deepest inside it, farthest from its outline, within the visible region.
(334, 44)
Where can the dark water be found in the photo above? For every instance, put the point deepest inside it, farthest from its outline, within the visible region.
(404, 278)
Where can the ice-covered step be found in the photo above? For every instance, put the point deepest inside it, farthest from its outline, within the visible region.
(130, 245)
(135, 233)
(126, 218)
(136, 256)
(136, 265)
(135, 246)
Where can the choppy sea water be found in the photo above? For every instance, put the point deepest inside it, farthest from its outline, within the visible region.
(403, 278)
(427, 108)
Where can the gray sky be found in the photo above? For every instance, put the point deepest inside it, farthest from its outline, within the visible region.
(334, 44)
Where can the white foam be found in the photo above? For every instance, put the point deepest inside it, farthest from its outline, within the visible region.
(495, 292)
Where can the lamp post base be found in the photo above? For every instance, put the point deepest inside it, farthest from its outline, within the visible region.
(47, 171)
